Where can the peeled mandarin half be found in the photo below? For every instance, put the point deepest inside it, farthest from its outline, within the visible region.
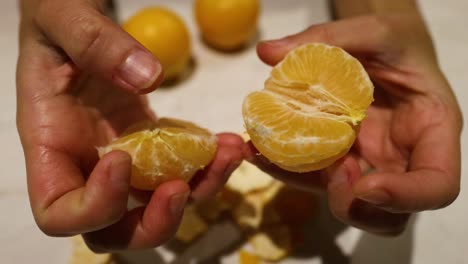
(308, 114)
(170, 149)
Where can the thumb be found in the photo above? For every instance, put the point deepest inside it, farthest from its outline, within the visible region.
(97, 45)
(366, 34)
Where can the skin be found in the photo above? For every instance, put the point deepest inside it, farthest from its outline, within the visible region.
(407, 155)
(73, 96)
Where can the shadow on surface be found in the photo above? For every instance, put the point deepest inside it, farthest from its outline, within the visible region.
(139, 256)
(375, 249)
(320, 239)
(320, 242)
(322, 235)
(183, 77)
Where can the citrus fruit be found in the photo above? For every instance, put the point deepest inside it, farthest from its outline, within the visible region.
(308, 114)
(170, 149)
(246, 257)
(227, 24)
(164, 34)
(272, 243)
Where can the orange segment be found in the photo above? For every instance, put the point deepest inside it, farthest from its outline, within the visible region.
(326, 78)
(308, 114)
(170, 149)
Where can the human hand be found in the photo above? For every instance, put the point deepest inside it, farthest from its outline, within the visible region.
(407, 155)
(80, 81)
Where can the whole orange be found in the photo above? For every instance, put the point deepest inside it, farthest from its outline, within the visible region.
(227, 24)
(165, 34)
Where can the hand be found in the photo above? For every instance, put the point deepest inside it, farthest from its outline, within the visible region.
(79, 84)
(407, 155)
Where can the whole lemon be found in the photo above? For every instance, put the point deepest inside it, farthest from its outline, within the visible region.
(227, 24)
(165, 34)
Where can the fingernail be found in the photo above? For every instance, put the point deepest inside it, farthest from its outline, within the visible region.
(376, 197)
(140, 70)
(338, 176)
(120, 172)
(177, 203)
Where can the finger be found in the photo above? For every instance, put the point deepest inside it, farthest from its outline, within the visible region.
(228, 157)
(311, 181)
(97, 45)
(145, 227)
(208, 182)
(356, 212)
(63, 204)
(340, 33)
(230, 139)
(433, 179)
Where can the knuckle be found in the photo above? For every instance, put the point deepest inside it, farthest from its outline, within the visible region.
(383, 25)
(90, 31)
(43, 11)
(322, 33)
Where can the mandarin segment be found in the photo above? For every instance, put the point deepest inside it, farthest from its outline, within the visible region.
(272, 244)
(324, 77)
(170, 149)
(309, 113)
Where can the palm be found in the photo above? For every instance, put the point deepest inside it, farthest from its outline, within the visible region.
(82, 117)
(394, 124)
(379, 141)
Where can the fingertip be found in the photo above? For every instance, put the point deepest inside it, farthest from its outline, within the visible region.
(120, 169)
(208, 182)
(154, 86)
(345, 170)
(367, 184)
(374, 190)
(139, 72)
(170, 199)
(270, 52)
(170, 188)
(250, 152)
(230, 139)
(175, 194)
(227, 159)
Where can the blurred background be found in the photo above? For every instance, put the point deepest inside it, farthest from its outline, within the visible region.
(212, 96)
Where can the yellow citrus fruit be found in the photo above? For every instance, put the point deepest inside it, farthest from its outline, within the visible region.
(246, 257)
(165, 34)
(308, 115)
(170, 149)
(227, 24)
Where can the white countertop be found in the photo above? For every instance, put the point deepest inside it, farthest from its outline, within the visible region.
(212, 97)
